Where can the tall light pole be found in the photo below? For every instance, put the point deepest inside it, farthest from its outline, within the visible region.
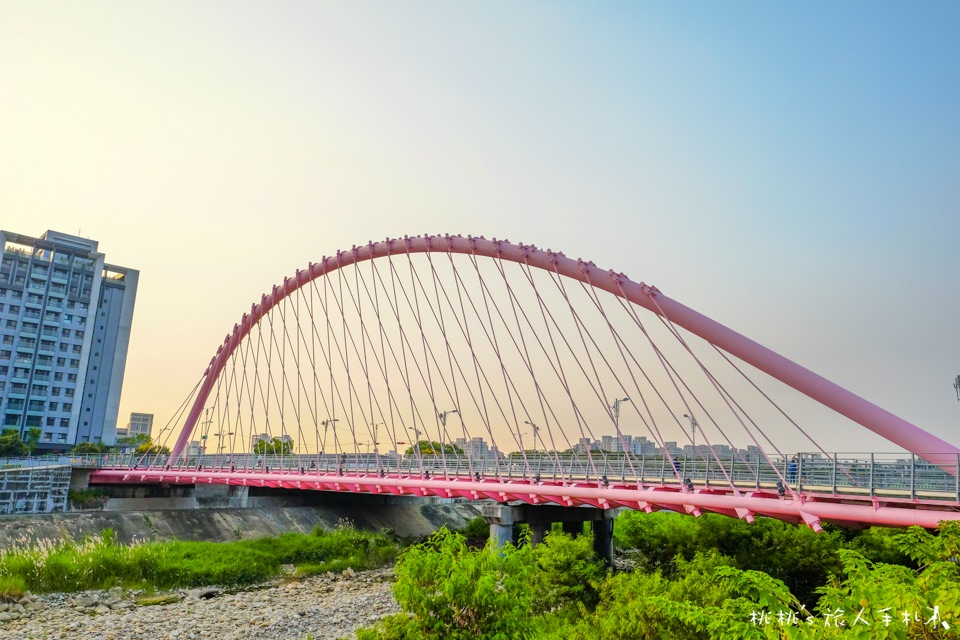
(536, 432)
(443, 422)
(956, 385)
(616, 414)
(220, 435)
(693, 431)
(326, 424)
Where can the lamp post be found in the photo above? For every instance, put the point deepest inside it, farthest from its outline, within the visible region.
(443, 422)
(326, 424)
(693, 431)
(536, 432)
(616, 414)
(219, 435)
(956, 385)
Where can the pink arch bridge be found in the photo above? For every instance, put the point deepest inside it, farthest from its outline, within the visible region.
(463, 367)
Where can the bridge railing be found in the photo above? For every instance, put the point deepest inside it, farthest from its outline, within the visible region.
(902, 475)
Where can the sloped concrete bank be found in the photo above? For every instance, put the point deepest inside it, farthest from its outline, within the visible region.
(223, 524)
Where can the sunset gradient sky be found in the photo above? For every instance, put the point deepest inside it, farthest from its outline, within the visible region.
(790, 170)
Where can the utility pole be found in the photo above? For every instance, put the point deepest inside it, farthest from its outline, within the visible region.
(443, 422)
(326, 424)
(616, 415)
(693, 431)
(536, 432)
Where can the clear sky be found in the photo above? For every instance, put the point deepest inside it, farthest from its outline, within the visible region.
(791, 170)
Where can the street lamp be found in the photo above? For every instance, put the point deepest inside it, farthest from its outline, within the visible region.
(326, 424)
(616, 413)
(956, 385)
(536, 432)
(443, 422)
(219, 435)
(693, 431)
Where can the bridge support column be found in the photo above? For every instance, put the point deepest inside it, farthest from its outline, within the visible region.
(538, 531)
(503, 519)
(603, 539)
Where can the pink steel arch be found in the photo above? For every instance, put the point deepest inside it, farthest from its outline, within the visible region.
(878, 420)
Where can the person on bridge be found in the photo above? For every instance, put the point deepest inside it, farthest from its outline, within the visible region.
(792, 470)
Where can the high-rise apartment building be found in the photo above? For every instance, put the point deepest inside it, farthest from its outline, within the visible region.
(140, 424)
(65, 318)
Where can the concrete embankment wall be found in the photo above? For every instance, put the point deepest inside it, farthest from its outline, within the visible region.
(221, 524)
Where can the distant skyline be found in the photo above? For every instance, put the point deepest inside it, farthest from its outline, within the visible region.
(789, 171)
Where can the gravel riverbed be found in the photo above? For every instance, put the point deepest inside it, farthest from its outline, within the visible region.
(324, 607)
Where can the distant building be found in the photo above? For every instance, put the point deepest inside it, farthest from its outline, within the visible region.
(139, 424)
(65, 319)
(475, 447)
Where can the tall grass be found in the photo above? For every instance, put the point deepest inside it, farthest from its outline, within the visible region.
(99, 562)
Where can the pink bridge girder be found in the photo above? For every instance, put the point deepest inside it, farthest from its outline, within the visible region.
(809, 508)
(878, 420)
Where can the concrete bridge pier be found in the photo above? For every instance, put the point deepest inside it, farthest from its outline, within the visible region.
(504, 520)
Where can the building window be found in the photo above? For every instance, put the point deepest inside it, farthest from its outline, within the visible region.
(66, 333)
(62, 437)
(64, 422)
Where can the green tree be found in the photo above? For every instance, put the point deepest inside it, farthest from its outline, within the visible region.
(135, 440)
(11, 446)
(32, 438)
(148, 448)
(89, 448)
(273, 447)
(433, 448)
